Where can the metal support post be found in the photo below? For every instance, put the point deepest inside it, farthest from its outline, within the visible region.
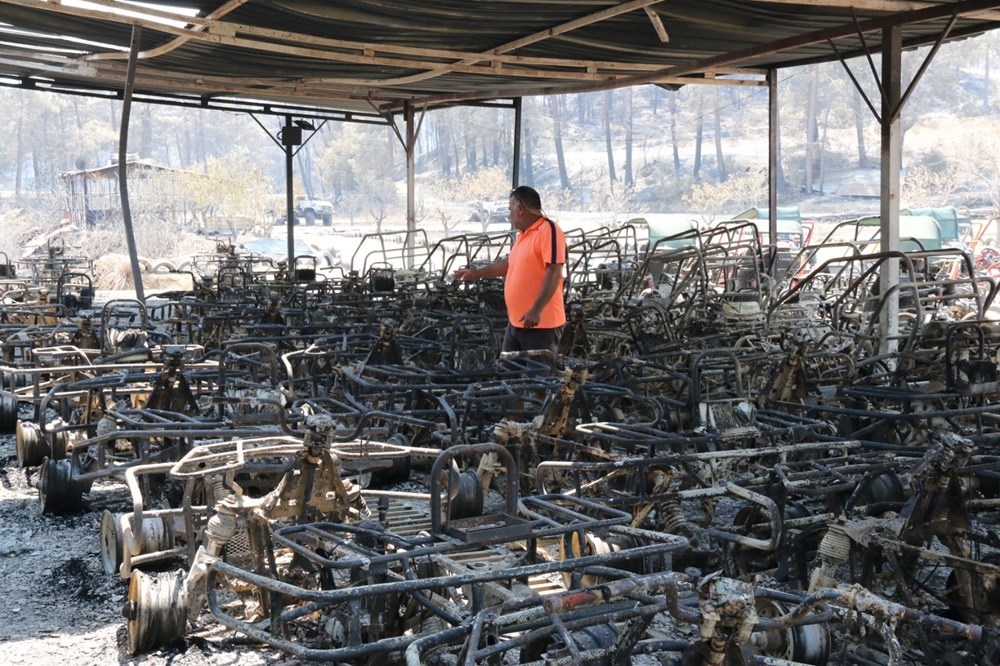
(411, 205)
(892, 158)
(772, 166)
(133, 252)
(516, 173)
(290, 136)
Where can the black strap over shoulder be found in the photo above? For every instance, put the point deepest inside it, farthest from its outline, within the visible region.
(552, 233)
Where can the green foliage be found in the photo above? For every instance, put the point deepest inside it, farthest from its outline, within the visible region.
(738, 193)
(562, 199)
(92, 144)
(981, 165)
(361, 167)
(935, 161)
(358, 165)
(235, 185)
(483, 185)
(452, 202)
(930, 186)
(611, 197)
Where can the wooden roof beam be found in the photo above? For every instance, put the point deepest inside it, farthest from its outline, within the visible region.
(888, 6)
(354, 52)
(736, 58)
(936, 12)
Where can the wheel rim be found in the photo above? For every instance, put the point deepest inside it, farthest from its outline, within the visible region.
(31, 448)
(111, 542)
(156, 610)
(58, 441)
(773, 642)
(807, 643)
(468, 501)
(8, 411)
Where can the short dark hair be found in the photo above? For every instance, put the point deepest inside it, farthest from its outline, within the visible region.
(527, 196)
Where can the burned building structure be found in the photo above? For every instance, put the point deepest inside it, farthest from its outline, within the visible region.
(744, 453)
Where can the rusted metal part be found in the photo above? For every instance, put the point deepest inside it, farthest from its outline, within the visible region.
(344, 594)
(728, 615)
(707, 413)
(165, 414)
(858, 598)
(45, 269)
(503, 526)
(725, 618)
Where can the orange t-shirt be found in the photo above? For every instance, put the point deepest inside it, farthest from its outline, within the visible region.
(539, 245)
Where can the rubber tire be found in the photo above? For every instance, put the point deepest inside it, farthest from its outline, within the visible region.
(58, 491)
(468, 502)
(310, 217)
(8, 412)
(32, 448)
(15, 379)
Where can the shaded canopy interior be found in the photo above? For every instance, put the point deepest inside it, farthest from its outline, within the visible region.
(369, 58)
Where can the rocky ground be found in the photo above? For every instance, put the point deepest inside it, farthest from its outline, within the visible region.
(58, 605)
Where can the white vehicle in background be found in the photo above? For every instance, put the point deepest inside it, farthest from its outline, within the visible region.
(310, 210)
(490, 212)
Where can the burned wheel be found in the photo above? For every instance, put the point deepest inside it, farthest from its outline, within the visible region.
(466, 500)
(552, 649)
(153, 536)
(112, 542)
(574, 545)
(14, 379)
(806, 643)
(750, 520)
(599, 638)
(971, 595)
(397, 471)
(31, 446)
(8, 411)
(58, 440)
(58, 491)
(155, 611)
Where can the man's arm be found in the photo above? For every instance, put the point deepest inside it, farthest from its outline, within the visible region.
(496, 269)
(550, 283)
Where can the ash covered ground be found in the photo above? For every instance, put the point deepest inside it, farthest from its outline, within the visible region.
(58, 605)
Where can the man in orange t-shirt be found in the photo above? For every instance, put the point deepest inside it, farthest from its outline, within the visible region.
(533, 288)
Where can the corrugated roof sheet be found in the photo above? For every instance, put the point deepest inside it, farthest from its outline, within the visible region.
(371, 56)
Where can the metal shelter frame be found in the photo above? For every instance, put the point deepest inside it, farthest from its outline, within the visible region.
(376, 60)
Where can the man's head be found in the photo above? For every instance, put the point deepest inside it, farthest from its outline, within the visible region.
(525, 207)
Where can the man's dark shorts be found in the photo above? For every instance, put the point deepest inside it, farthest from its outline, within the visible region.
(527, 339)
